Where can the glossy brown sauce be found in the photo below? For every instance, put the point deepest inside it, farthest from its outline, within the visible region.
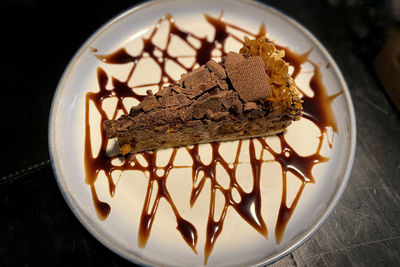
(316, 108)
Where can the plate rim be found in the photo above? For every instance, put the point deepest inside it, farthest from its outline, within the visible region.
(99, 235)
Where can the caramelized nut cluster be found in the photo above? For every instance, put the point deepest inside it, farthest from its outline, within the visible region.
(282, 86)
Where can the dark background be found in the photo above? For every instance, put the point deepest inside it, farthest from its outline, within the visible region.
(38, 39)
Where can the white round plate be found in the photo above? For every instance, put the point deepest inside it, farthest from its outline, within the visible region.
(239, 244)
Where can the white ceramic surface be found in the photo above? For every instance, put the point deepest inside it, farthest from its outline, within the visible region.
(239, 244)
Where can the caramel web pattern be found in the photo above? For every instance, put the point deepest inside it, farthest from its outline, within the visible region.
(249, 206)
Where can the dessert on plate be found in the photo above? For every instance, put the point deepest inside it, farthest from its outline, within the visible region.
(247, 94)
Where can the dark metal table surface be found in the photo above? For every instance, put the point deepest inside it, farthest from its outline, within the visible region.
(38, 38)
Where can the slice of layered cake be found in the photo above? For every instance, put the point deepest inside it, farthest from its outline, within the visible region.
(246, 94)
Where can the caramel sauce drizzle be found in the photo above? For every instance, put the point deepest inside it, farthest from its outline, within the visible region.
(316, 108)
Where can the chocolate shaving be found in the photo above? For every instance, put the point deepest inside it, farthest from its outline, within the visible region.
(165, 91)
(248, 77)
(191, 93)
(149, 103)
(232, 60)
(216, 68)
(170, 101)
(186, 114)
(200, 79)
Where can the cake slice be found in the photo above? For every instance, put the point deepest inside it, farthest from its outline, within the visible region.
(246, 94)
